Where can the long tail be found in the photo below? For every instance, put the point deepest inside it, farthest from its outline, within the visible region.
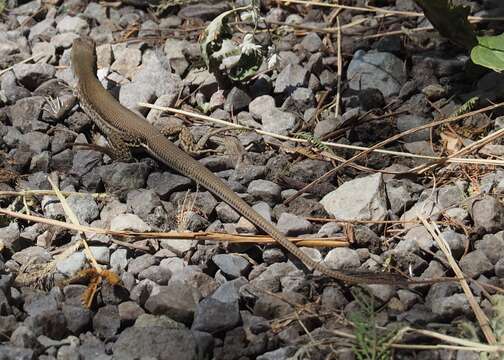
(172, 156)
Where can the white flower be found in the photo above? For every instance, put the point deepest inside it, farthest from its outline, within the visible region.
(248, 46)
(273, 61)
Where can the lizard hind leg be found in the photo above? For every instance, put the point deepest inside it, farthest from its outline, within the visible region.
(119, 149)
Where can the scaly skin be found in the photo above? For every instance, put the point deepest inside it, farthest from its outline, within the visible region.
(125, 129)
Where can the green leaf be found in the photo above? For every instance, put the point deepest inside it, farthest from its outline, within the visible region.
(450, 20)
(489, 52)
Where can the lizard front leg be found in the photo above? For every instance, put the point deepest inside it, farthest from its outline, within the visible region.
(187, 142)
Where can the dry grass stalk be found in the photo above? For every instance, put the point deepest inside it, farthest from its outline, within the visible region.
(480, 315)
(199, 236)
(366, 150)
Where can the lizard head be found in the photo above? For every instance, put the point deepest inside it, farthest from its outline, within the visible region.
(83, 53)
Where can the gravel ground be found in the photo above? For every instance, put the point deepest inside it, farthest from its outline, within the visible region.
(180, 299)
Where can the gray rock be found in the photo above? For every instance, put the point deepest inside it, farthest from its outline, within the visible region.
(12, 352)
(160, 275)
(475, 263)
(38, 303)
(427, 208)
(382, 292)
(457, 242)
(174, 50)
(44, 27)
(97, 12)
(399, 196)
(203, 201)
(148, 320)
(63, 41)
(157, 343)
(300, 99)
(272, 307)
(72, 264)
(129, 222)
(291, 77)
(264, 210)
(292, 225)
(23, 337)
(193, 277)
(51, 323)
(176, 300)
(7, 324)
(141, 292)
(410, 121)
(5, 308)
(126, 63)
(217, 100)
(36, 141)
(35, 254)
(329, 229)
(360, 199)
(488, 214)
(84, 207)
(78, 318)
(229, 292)
(32, 75)
(286, 58)
(457, 214)
(449, 307)
(84, 161)
(278, 121)
(342, 258)
(140, 263)
(111, 209)
(325, 127)
(420, 238)
(380, 70)
(245, 173)
(332, 298)
(203, 80)
(499, 269)
(278, 354)
(73, 24)
(129, 312)
(77, 121)
(101, 254)
(213, 316)
(226, 213)
(312, 42)
(91, 347)
(265, 190)
(106, 322)
(25, 113)
(236, 100)
(492, 245)
(164, 184)
(314, 64)
(233, 265)
(40, 162)
(143, 202)
(122, 177)
(371, 98)
(118, 260)
(203, 11)
(151, 81)
(10, 237)
(11, 90)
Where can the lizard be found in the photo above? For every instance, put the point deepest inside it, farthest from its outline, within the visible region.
(125, 130)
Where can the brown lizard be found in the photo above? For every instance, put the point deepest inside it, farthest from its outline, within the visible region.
(125, 129)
